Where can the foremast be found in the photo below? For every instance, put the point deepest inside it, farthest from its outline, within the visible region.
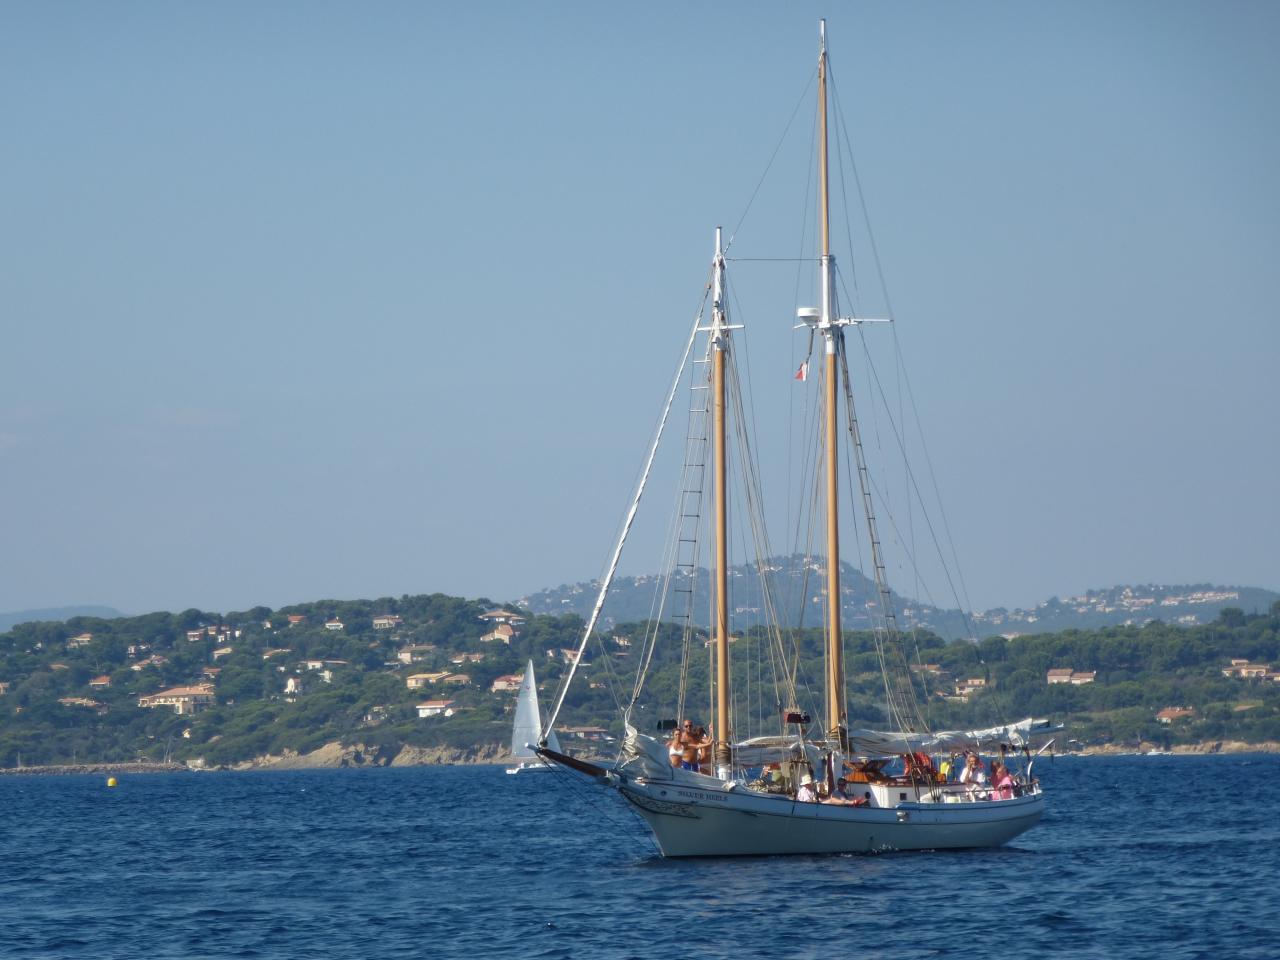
(719, 334)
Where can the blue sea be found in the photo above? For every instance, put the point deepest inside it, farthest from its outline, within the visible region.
(1170, 857)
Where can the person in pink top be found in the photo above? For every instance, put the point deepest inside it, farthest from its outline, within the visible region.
(1001, 782)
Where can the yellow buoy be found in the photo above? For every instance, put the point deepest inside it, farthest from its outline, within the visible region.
(111, 781)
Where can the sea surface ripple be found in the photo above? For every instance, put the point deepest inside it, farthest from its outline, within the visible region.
(1165, 857)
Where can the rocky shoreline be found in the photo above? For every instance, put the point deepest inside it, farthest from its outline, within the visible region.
(336, 756)
(61, 769)
(1186, 749)
(333, 756)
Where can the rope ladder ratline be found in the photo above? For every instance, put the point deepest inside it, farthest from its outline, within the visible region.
(899, 690)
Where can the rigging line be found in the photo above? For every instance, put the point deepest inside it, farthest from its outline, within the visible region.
(593, 796)
(908, 702)
(752, 491)
(631, 515)
(670, 554)
(747, 421)
(937, 493)
(695, 462)
(866, 215)
(919, 584)
(792, 483)
(817, 501)
(693, 459)
(844, 195)
(804, 96)
(911, 477)
(884, 287)
(610, 676)
(773, 259)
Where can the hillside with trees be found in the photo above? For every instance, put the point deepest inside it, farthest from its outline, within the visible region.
(214, 689)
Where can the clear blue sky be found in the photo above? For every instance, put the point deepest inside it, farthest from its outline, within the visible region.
(339, 300)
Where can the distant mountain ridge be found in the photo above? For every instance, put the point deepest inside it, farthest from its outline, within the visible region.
(12, 619)
(798, 586)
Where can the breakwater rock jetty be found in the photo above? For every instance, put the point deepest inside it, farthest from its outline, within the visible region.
(62, 769)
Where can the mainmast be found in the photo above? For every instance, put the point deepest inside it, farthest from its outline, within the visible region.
(719, 347)
(832, 336)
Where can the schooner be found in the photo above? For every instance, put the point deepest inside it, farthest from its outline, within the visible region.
(749, 800)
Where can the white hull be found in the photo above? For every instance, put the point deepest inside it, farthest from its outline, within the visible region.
(530, 766)
(690, 821)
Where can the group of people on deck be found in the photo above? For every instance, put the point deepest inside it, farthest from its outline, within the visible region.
(690, 748)
(974, 775)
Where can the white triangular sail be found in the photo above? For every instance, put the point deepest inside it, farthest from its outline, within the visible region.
(527, 728)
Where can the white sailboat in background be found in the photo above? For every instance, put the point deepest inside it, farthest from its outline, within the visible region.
(811, 787)
(526, 731)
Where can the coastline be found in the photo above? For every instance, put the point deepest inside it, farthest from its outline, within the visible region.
(337, 756)
(65, 769)
(1207, 748)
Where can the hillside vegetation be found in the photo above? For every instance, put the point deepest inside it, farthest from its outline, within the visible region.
(72, 690)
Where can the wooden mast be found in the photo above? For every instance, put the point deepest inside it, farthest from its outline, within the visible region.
(720, 345)
(836, 718)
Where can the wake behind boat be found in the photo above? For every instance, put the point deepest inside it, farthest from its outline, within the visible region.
(809, 786)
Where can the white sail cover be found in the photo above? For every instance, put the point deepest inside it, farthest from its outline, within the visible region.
(527, 728)
(888, 743)
(876, 743)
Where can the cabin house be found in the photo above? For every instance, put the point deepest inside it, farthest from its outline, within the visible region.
(415, 653)
(155, 660)
(502, 633)
(100, 683)
(435, 708)
(417, 681)
(1244, 670)
(80, 640)
(462, 658)
(195, 635)
(297, 618)
(1170, 714)
(508, 683)
(334, 624)
(503, 616)
(184, 700)
(387, 621)
(456, 680)
(1067, 675)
